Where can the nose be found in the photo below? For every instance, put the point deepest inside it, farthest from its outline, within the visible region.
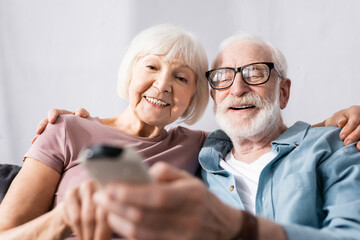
(163, 82)
(239, 86)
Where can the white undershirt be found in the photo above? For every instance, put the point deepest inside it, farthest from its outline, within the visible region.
(246, 176)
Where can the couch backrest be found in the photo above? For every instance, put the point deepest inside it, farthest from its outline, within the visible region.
(7, 174)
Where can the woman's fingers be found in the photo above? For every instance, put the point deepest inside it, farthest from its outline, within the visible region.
(351, 130)
(353, 137)
(349, 120)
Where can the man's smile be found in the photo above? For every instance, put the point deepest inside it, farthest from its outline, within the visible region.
(243, 107)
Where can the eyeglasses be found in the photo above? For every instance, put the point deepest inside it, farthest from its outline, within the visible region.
(252, 74)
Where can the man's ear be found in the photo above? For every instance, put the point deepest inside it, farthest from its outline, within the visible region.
(212, 93)
(285, 85)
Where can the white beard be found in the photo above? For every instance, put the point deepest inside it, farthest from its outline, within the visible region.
(265, 121)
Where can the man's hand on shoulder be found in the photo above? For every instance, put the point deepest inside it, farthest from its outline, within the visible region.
(53, 115)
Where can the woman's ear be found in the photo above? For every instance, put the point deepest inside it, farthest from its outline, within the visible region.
(284, 92)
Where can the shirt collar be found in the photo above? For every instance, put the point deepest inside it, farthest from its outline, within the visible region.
(217, 145)
(293, 135)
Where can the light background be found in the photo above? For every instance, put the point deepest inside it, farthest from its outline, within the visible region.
(66, 53)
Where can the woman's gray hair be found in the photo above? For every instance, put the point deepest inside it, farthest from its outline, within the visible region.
(277, 56)
(170, 42)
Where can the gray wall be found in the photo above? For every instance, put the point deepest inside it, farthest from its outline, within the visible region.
(65, 54)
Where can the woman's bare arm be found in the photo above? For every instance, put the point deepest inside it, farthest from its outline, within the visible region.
(30, 195)
(49, 226)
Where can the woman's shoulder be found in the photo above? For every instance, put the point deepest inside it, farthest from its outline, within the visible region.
(73, 118)
(67, 123)
(70, 120)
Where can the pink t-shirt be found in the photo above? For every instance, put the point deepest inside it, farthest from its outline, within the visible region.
(59, 145)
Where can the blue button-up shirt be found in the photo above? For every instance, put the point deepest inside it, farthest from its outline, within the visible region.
(311, 187)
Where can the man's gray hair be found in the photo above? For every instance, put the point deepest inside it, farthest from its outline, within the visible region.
(277, 56)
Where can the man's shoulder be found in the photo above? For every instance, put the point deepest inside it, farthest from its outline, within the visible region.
(318, 140)
(219, 135)
(325, 135)
(218, 143)
(303, 132)
(328, 138)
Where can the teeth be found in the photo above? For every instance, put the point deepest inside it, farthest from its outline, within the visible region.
(156, 101)
(243, 107)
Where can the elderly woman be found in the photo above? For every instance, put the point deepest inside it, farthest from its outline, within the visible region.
(162, 75)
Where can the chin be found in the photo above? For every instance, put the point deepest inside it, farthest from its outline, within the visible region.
(265, 121)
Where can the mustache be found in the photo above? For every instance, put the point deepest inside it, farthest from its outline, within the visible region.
(249, 98)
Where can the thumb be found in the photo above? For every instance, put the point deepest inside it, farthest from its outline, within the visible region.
(163, 172)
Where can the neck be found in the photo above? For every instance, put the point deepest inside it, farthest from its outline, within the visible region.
(250, 149)
(127, 122)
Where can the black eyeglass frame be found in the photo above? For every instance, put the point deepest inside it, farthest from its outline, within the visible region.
(240, 70)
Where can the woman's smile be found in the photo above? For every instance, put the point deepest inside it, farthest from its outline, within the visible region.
(157, 102)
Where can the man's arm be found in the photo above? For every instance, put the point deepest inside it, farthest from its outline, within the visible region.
(178, 206)
(348, 119)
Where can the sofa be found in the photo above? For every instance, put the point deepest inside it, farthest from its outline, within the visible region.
(7, 174)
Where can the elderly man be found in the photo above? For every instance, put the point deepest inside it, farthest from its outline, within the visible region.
(300, 182)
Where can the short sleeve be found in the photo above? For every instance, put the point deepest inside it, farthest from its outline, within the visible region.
(49, 147)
